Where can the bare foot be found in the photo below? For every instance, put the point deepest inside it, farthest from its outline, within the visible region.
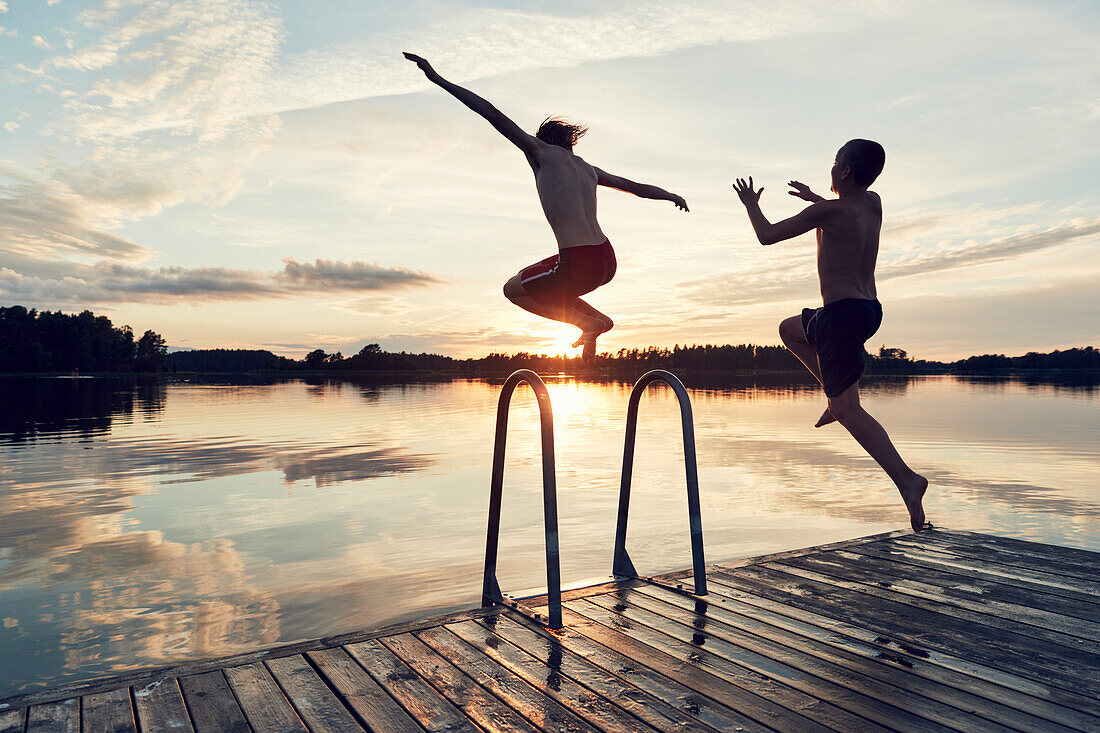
(825, 419)
(912, 495)
(588, 339)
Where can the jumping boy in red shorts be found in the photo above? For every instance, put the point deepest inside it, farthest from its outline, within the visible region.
(566, 185)
(829, 340)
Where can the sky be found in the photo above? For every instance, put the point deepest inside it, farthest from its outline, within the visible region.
(263, 174)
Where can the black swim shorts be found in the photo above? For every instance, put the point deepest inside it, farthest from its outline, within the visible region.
(838, 332)
(570, 273)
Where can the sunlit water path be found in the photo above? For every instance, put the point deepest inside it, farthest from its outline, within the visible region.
(146, 524)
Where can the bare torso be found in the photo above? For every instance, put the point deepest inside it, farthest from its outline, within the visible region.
(847, 247)
(567, 191)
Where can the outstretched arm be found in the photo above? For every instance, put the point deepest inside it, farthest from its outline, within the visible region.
(809, 218)
(496, 118)
(644, 190)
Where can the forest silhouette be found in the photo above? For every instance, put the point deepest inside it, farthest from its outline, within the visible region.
(34, 342)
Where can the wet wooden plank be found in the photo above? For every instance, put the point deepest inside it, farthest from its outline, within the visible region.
(211, 704)
(371, 704)
(1026, 702)
(733, 674)
(684, 698)
(55, 717)
(13, 721)
(108, 712)
(1007, 651)
(936, 701)
(321, 710)
(1031, 580)
(683, 669)
(844, 689)
(979, 547)
(1071, 557)
(433, 711)
(1025, 623)
(479, 705)
(548, 678)
(541, 710)
(264, 704)
(553, 653)
(160, 706)
(975, 594)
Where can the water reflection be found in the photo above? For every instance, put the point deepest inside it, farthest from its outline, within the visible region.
(37, 408)
(146, 523)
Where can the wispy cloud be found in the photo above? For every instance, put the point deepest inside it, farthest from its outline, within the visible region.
(47, 219)
(972, 252)
(107, 282)
(485, 42)
(921, 255)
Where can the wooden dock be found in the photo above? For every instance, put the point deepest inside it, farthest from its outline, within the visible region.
(940, 631)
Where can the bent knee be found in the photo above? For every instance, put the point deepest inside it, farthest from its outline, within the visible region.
(514, 288)
(791, 330)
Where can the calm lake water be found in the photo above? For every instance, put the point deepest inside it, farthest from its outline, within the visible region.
(143, 524)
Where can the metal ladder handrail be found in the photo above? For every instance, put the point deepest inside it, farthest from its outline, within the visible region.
(490, 592)
(621, 564)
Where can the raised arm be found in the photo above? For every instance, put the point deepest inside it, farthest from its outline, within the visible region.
(809, 218)
(643, 190)
(525, 142)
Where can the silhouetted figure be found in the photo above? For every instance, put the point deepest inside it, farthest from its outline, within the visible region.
(829, 340)
(566, 185)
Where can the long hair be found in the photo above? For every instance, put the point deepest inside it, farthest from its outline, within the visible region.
(560, 131)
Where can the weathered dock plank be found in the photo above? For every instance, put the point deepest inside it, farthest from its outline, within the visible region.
(315, 702)
(433, 711)
(264, 704)
(479, 705)
(160, 706)
(544, 712)
(55, 717)
(212, 704)
(968, 690)
(942, 631)
(13, 721)
(108, 712)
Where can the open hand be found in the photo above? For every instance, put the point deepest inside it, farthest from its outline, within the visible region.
(680, 203)
(421, 62)
(802, 191)
(745, 191)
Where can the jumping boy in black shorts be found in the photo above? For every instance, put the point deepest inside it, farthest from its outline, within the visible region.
(829, 340)
(566, 185)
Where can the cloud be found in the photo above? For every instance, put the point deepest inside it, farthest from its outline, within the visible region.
(40, 42)
(11, 126)
(327, 274)
(972, 253)
(190, 66)
(485, 42)
(769, 283)
(190, 62)
(111, 282)
(47, 219)
(3, 6)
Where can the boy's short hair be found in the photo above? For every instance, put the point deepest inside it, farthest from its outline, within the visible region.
(560, 131)
(866, 159)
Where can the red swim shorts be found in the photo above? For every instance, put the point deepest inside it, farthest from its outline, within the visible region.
(570, 273)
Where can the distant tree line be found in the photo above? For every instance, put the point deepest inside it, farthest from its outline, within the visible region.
(47, 341)
(1084, 358)
(33, 341)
